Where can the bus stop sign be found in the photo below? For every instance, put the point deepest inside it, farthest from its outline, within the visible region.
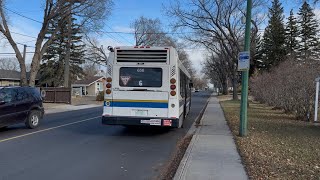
(244, 61)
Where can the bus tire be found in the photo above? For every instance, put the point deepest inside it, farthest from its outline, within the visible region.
(181, 121)
(183, 116)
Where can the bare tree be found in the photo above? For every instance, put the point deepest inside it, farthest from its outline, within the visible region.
(90, 13)
(200, 82)
(216, 25)
(216, 68)
(148, 32)
(9, 64)
(95, 52)
(90, 68)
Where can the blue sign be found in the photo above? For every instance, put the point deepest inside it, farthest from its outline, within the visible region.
(244, 61)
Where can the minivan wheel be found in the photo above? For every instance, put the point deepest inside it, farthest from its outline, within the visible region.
(33, 119)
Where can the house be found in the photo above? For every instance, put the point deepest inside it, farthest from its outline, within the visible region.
(91, 86)
(11, 77)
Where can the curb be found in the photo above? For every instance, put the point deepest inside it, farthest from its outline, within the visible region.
(194, 125)
(75, 108)
(183, 163)
(193, 130)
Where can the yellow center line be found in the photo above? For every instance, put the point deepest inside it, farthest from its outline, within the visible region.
(48, 129)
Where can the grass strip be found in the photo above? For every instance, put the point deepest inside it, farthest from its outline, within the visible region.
(277, 146)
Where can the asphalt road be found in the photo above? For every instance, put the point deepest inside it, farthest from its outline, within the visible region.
(75, 145)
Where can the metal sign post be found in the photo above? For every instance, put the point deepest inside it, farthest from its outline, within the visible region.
(245, 76)
(316, 101)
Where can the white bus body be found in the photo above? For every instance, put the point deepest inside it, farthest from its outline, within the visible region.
(146, 86)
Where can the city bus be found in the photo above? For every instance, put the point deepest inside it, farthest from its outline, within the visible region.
(146, 86)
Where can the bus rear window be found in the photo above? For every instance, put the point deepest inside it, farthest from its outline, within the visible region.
(140, 77)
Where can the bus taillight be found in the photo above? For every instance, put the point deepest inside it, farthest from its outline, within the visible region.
(173, 93)
(173, 87)
(108, 85)
(109, 79)
(108, 91)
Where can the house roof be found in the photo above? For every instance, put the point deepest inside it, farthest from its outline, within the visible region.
(12, 75)
(9, 74)
(88, 81)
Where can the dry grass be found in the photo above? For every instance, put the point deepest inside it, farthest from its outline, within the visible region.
(277, 145)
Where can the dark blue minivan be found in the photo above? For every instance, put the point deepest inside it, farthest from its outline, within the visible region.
(20, 105)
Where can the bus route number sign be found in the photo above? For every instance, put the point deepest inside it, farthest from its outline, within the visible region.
(244, 61)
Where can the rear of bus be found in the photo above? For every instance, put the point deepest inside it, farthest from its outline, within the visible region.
(141, 87)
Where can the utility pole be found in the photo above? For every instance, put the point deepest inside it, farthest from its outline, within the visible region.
(245, 76)
(24, 52)
(67, 57)
(24, 60)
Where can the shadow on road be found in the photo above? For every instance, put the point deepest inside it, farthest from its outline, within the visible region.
(145, 130)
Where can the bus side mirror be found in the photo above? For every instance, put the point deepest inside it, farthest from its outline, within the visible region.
(191, 85)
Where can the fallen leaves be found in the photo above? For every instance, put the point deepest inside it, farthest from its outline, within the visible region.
(277, 146)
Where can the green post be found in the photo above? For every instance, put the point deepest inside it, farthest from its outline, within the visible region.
(245, 76)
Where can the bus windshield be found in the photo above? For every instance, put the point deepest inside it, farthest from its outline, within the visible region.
(140, 77)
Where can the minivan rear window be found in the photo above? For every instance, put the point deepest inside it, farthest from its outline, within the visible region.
(140, 77)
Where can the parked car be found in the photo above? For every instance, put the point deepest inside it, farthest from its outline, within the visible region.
(20, 105)
(197, 90)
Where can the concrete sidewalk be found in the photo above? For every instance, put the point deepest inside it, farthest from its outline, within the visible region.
(212, 153)
(50, 108)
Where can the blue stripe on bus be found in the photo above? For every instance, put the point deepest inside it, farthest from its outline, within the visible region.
(139, 104)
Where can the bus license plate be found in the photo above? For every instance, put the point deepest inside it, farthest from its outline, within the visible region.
(141, 113)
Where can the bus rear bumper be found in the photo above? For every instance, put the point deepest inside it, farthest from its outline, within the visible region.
(140, 121)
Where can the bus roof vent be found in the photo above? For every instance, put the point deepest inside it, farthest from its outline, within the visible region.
(156, 56)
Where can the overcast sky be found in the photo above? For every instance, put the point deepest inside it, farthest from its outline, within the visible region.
(123, 14)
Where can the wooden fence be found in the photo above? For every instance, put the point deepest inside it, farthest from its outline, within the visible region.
(56, 95)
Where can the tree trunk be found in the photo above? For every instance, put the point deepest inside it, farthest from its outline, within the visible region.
(225, 88)
(234, 84)
(235, 88)
(23, 73)
(34, 68)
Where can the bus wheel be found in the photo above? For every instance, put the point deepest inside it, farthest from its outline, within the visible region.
(182, 119)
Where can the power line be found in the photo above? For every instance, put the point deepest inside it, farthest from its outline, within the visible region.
(120, 32)
(120, 35)
(96, 62)
(23, 35)
(24, 44)
(111, 37)
(28, 41)
(22, 15)
(114, 38)
(15, 53)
